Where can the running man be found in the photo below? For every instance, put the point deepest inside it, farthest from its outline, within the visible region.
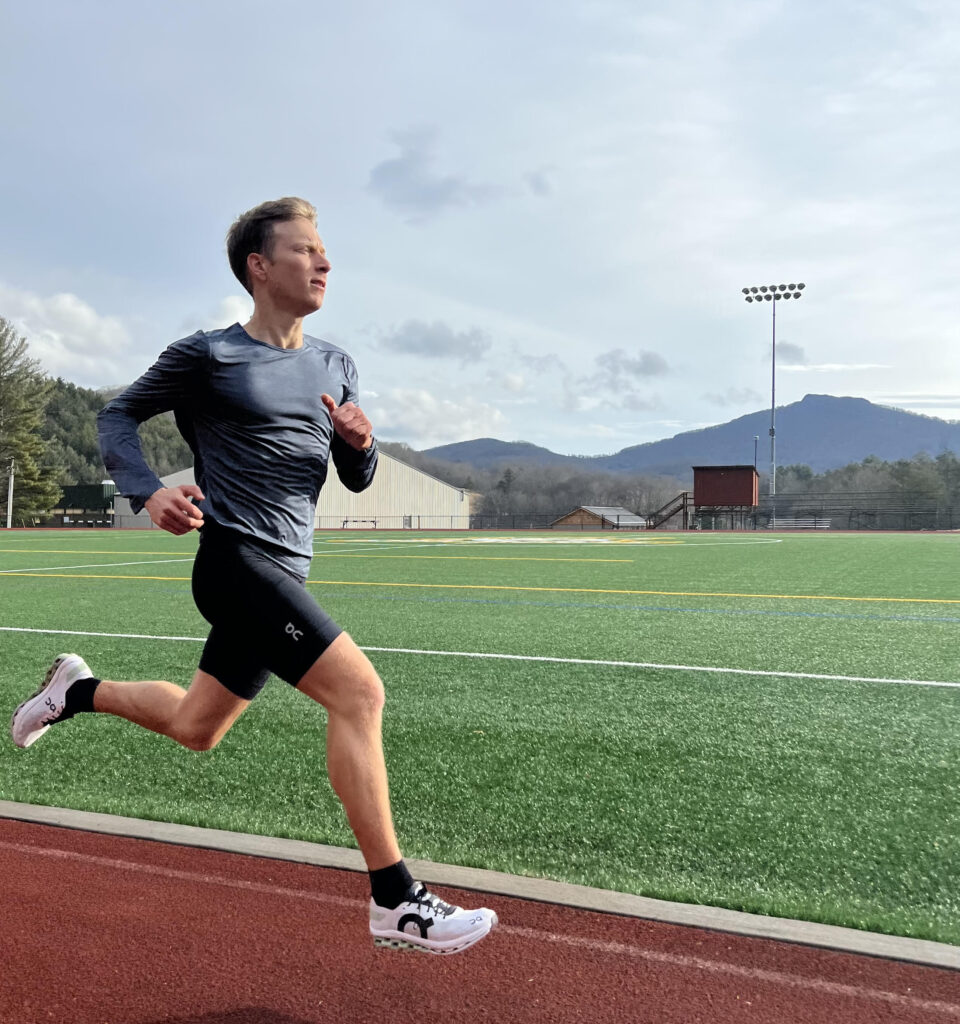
(263, 407)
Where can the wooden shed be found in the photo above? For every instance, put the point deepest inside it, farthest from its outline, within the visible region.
(600, 517)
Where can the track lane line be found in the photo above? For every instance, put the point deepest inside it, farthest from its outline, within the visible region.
(636, 952)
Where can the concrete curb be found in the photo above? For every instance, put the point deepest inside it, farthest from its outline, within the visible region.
(847, 940)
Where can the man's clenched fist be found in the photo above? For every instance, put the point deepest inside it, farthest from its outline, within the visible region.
(350, 423)
(171, 509)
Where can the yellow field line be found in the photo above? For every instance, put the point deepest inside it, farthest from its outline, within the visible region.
(13, 574)
(473, 558)
(656, 593)
(471, 540)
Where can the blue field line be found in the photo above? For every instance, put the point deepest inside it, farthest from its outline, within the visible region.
(649, 608)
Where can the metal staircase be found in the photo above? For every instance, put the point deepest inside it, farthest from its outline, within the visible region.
(680, 505)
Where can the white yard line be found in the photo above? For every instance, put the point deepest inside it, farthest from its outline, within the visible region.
(94, 565)
(648, 665)
(330, 548)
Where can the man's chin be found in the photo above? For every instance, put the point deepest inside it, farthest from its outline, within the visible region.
(311, 307)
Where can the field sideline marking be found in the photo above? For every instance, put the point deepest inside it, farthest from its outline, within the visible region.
(493, 586)
(659, 593)
(475, 558)
(316, 554)
(601, 663)
(81, 551)
(98, 565)
(681, 960)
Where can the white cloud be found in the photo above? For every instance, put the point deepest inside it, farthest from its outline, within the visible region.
(515, 383)
(69, 337)
(415, 337)
(789, 355)
(409, 183)
(734, 397)
(421, 419)
(833, 367)
(915, 398)
(233, 309)
(614, 383)
(617, 366)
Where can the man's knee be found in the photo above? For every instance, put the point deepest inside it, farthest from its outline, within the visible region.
(358, 697)
(344, 682)
(197, 738)
(369, 695)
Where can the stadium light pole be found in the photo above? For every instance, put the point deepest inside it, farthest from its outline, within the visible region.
(10, 495)
(773, 293)
(756, 441)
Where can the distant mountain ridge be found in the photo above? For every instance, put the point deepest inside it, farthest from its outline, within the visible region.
(823, 432)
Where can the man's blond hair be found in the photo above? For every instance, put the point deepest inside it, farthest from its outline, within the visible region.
(253, 231)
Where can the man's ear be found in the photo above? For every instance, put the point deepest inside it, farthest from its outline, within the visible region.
(256, 267)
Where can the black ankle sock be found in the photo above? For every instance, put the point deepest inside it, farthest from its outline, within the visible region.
(390, 886)
(79, 697)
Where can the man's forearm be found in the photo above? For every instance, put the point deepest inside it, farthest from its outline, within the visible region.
(123, 455)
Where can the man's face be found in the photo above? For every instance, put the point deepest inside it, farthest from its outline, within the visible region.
(296, 268)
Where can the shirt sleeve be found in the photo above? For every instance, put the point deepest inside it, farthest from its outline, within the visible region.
(355, 468)
(168, 384)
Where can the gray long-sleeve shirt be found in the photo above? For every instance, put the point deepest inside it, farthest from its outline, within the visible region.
(261, 438)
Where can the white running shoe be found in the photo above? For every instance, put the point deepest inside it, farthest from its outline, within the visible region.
(43, 708)
(429, 925)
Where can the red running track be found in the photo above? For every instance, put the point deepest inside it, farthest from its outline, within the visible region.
(99, 929)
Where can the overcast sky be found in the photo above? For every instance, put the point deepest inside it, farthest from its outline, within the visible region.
(540, 215)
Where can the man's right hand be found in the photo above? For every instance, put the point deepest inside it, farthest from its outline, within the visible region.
(171, 509)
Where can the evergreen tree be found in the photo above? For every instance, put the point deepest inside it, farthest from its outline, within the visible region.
(70, 429)
(24, 391)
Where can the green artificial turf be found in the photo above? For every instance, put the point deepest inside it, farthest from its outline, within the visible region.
(831, 800)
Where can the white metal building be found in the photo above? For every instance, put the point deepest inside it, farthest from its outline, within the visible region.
(400, 497)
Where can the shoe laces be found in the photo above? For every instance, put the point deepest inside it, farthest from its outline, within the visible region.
(423, 897)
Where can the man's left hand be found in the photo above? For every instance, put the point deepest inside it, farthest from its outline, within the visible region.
(350, 422)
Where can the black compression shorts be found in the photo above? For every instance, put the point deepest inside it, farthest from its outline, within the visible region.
(262, 617)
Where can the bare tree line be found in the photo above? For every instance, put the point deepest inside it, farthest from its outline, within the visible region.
(533, 488)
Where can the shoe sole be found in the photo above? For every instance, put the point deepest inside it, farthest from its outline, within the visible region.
(47, 680)
(406, 946)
